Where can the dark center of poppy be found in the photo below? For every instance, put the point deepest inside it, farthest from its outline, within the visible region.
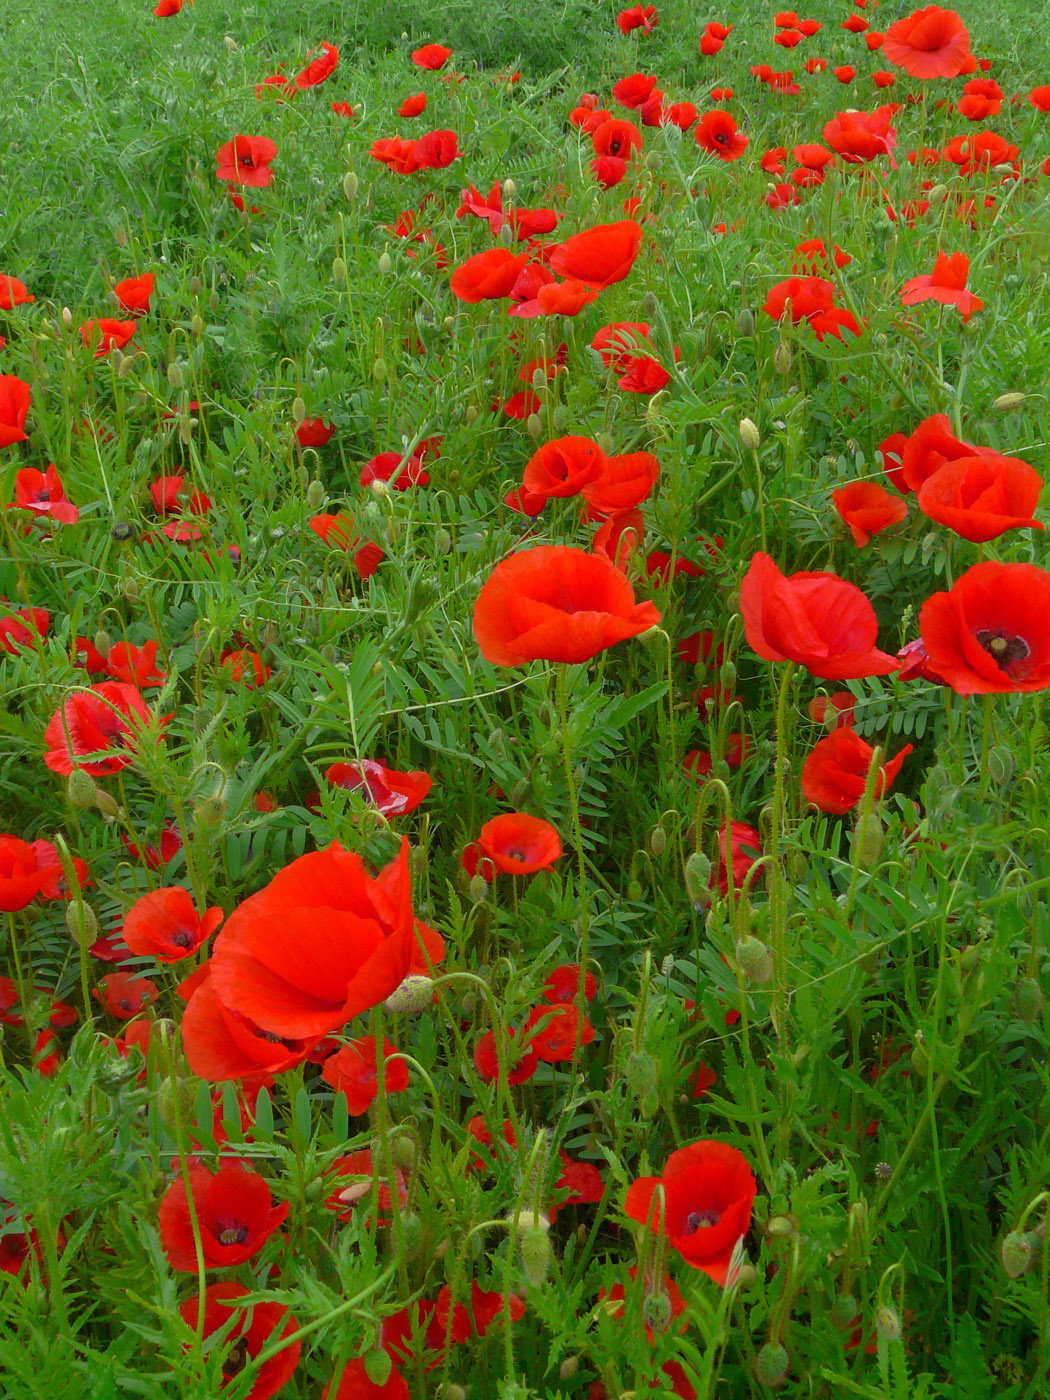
(517, 853)
(237, 1358)
(1005, 650)
(182, 938)
(701, 1220)
(233, 1234)
(722, 137)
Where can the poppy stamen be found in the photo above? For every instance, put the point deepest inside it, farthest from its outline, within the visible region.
(1004, 650)
(233, 1234)
(701, 1220)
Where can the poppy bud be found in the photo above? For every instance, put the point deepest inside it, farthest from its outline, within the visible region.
(534, 425)
(231, 43)
(471, 414)
(782, 358)
(641, 1074)
(131, 592)
(844, 1310)
(650, 305)
(888, 1322)
(867, 840)
(1001, 766)
(727, 675)
(658, 841)
(635, 892)
(452, 1391)
(67, 318)
(120, 236)
(505, 237)
(1007, 403)
(1016, 1254)
(379, 369)
(81, 921)
(384, 263)
(197, 324)
(378, 1365)
(561, 417)
(535, 1254)
(781, 1227)
(746, 1276)
(412, 1234)
(107, 805)
(698, 877)
(568, 1368)
(80, 789)
(210, 812)
(214, 302)
(920, 1058)
(755, 959)
(415, 994)
(351, 184)
(745, 322)
(1028, 1000)
(510, 189)
(749, 435)
(772, 1364)
(404, 1150)
(315, 494)
(338, 271)
(442, 540)
(102, 642)
(298, 410)
(938, 194)
(172, 1094)
(479, 888)
(606, 442)
(656, 1311)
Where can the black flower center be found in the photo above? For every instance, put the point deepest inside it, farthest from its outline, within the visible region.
(701, 1220)
(1005, 650)
(233, 1234)
(237, 1358)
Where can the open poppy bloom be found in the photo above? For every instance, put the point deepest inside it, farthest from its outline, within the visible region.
(716, 132)
(322, 942)
(554, 603)
(96, 730)
(929, 447)
(134, 293)
(810, 299)
(320, 68)
(431, 56)
(255, 1329)
(981, 497)
(21, 878)
(637, 17)
(353, 1071)
(518, 1060)
(866, 507)
(946, 284)
(14, 405)
(817, 620)
(246, 161)
(393, 794)
(990, 634)
(13, 293)
(164, 924)
(24, 628)
(623, 483)
(105, 334)
(835, 773)
(222, 1044)
(931, 43)
(487, 276)
(436, 150)
(563, 467)
(135, 665)
(708, 1189)
(235, 1217)
(861, 136)
(314, 432)
(599, 256)
(124, 995)
(518, 844)
(558, 1031)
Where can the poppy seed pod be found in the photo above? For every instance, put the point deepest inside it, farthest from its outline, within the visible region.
(772, 1364)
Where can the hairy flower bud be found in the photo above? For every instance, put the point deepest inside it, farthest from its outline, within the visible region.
(351, 184)
(888, 1322)
(1016, 1253)
(384, 263)
(782, 358)
(81, 921)
(80, 789)
(656, 1311)
(1009, 402)
(658, 841)
(745, 322)
(1028, 1000)
(535, 1249)
(415, 994)
(772, 1364)
(755, 959)
(641, 1073)
(315, 494)
(1001, 765)
(749, 434)
(534, 425)
(698, 877)
(867, 840)
(378, 1365)
(210, 811)
(338, 271)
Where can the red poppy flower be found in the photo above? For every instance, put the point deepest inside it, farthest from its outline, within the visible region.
(134, 293)
(170, 496)
(44, 494)
(164, 924)
(360, 1165)
(314, 432)
(322, 942)
(109, 720)
(1039, 97)
(321, 68)
(21, 878)
(166, 8)
(710, 44)
(431, 56)
(716, 132)
(13, 293)
(222, 1044)
(235, 1217)
(634, 90)
(845, 73)
(946, 284)
(619, 536)
(24, 628)
(815, 619)
(487, 276)
(989, 634)
(835, 773)
(564, 298)
(413, 106)
(124, 995)
(810, 299)
(980, 152)
(106, 334)
(643, 17)
(616, 137)
(866, 507)
(861, 136)
(562, 985)
(393, 794)
(557, 604)
(982, 497)
(14, 405)
(600, 256)
(519, 1059)
(563, 467)
(135, 665)
(437, 149)
(931, 43)
(353, 1071)
(396, 154)
(559, 1031)
(245, 667)
(255, 1329)
(398, 471)
(246, 161)
(519, 844)
(708, 1189)
(623, 483)
(680, 114)
(582, 1181)
(929, 447)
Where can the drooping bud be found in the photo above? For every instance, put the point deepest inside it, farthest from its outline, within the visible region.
(782, 358)
(755, 959)
(510, 189)
(535, 1253)
(745, 322)
(315, 494)
(338, 271)
(772, 1364)
(81, 921)
(938, 194)
(1028, 1000)
(506, 235)
(749, 434)
(1016, 1253)
(568, 1368)
(210, 811)
(175, 375)
(534, 425)
(107, 804)
(379, 369)
(727, 675)
(80, 789)
(781, 1227)
(378, 1365)
(384, 263)
(656, 1311)
(658, 841)
(606, 442)
(67, 318)
(442, 540)
(844, 1310)
(641, 1074)
(867, 841)
(1001, 765)
(1009, 402)
(698, 877)
(415, 994)
(412, 1234)
(888, 1322)
(351, 184)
